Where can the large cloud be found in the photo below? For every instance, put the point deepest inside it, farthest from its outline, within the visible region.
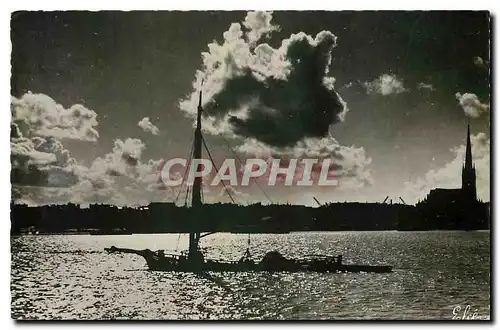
(450, 175)
(120, 177)
(38, 157)
(122, 160)
(277, 100)
(471, 104)
(127, 172)
(43, 171)
(40, 160)
(23, 151)
(147, 126)
(277, 96)
(386, 84)
(348, 164)
(39, 115)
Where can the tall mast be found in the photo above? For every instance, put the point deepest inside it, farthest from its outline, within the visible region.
(194, 234)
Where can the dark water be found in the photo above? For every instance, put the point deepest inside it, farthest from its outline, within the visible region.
(70, 277)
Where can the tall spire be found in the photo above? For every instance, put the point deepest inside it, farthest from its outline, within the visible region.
(469, 172)
(468, 150)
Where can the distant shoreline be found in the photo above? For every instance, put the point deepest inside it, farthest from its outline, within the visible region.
(253, 233)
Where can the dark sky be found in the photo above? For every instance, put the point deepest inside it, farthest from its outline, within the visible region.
(129, 65)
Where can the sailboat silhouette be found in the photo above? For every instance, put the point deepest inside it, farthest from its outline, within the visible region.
(195, 261)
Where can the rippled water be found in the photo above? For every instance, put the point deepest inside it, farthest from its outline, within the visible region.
(70, 277)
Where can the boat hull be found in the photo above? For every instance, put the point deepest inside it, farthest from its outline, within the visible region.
(167, 264)
(178, 263)
(223, 267)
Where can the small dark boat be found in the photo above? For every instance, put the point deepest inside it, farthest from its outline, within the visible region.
(194, 261)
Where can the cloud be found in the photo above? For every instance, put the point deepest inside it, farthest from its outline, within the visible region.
(450, 175)
(258, 24)
(147, 126)
(38, 157)
(23, 151)
(39, 115)
(471, 104)
(39, 160)
(54, 147)
(43, 171)
(120, 177)
(139, 185)
(278, 101)
(349, 164)
(275, 95)
(423, 85)
(386, 84)
(479, 62)
(123, 159)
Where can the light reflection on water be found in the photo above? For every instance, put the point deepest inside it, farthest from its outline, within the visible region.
(70, 277)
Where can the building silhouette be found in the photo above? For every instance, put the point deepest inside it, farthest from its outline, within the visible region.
(455, 208)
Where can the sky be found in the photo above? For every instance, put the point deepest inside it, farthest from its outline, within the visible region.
(98, 99)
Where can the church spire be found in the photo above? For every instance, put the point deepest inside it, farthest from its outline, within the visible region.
(468, 151)
(469, 172)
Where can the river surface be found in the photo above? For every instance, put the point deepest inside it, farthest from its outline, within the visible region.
(71, 277)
